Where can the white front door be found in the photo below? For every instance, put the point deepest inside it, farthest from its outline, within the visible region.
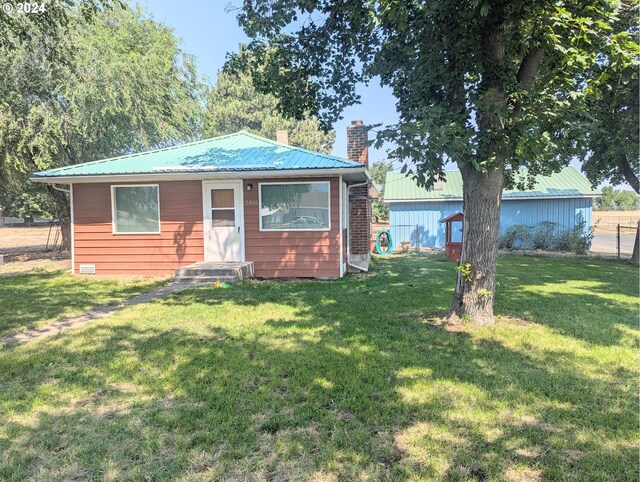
(223, 221)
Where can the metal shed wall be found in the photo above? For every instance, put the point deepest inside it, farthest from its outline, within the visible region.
(565, 212)
(404, 217)
(419, 221)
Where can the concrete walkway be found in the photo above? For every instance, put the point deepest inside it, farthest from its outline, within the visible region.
(98, 313)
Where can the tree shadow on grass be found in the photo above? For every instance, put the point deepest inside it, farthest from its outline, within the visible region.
(28, 299)
(358, 392)
(533, 288)
(590, 300)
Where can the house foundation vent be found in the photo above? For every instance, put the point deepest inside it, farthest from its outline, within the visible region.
(87, 269)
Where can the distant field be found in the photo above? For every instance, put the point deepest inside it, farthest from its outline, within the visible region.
(608, 220)
(24, 239)
(23, 248)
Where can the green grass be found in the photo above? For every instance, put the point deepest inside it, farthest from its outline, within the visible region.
(350, 379)
(41, 296)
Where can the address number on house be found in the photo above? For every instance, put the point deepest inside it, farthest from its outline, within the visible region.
(250, 202)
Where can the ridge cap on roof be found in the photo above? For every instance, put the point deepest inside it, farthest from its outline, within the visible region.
(297, 148)
(140, 153)
(554, 184)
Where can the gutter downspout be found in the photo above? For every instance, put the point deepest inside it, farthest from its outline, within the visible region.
(68, 191)
(361, 268)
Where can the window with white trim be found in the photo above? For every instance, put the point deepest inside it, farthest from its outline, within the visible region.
(136, 209)
(295, 206)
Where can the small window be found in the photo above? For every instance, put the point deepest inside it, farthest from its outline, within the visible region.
(136, 209)
(294, 207)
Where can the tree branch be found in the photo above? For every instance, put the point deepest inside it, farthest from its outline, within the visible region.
(529, 67)
(629, 174)
(459, 91)
(527, 71)
(331, 21)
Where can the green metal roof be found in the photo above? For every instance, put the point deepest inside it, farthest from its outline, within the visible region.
(566, 183)
(241, 151)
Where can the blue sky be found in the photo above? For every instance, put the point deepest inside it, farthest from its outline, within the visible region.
(208, 31)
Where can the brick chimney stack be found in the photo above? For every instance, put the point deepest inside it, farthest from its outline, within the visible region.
(359, 202)
(358, 142)
(282, 137)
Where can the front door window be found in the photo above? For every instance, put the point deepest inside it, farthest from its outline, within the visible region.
(223, 212)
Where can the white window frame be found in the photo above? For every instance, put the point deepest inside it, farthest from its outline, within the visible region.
(113, 209)
(260, 184)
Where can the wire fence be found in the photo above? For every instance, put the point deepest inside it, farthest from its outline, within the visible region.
(608, 221)
(617, 240)
(12, 222)
(613, 240)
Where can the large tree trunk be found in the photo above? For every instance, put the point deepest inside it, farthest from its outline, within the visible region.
(475, 287)
(63, 210)
(482, 192)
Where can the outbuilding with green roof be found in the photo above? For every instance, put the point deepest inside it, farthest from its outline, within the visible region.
(564, 198)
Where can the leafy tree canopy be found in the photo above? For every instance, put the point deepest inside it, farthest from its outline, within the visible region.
(52, 24)
(233, 104)
(617, 200)
(609, 126)
(378, 171)
(490, 83)
(119, 83)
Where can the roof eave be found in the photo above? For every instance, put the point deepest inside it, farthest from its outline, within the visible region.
(351, 173)
(509, 198)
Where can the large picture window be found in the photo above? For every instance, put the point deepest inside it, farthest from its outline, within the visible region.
(300, 206)
(136, 209)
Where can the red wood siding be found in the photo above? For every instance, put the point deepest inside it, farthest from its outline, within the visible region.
(179, 243)
(181, 238)
(314, 254)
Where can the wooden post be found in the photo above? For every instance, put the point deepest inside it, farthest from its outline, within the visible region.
(417, 239)
(618, 241)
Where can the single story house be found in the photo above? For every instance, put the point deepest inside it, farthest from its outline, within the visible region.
(415, 213)
(235, 198)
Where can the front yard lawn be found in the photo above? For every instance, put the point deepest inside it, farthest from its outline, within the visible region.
(38, 297)
(350, 379)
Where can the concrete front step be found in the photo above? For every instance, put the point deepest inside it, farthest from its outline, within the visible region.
(205, 279)
(209, 272)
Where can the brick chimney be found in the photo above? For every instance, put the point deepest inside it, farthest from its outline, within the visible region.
(359, 201)
(357, 142)
(282, 137)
